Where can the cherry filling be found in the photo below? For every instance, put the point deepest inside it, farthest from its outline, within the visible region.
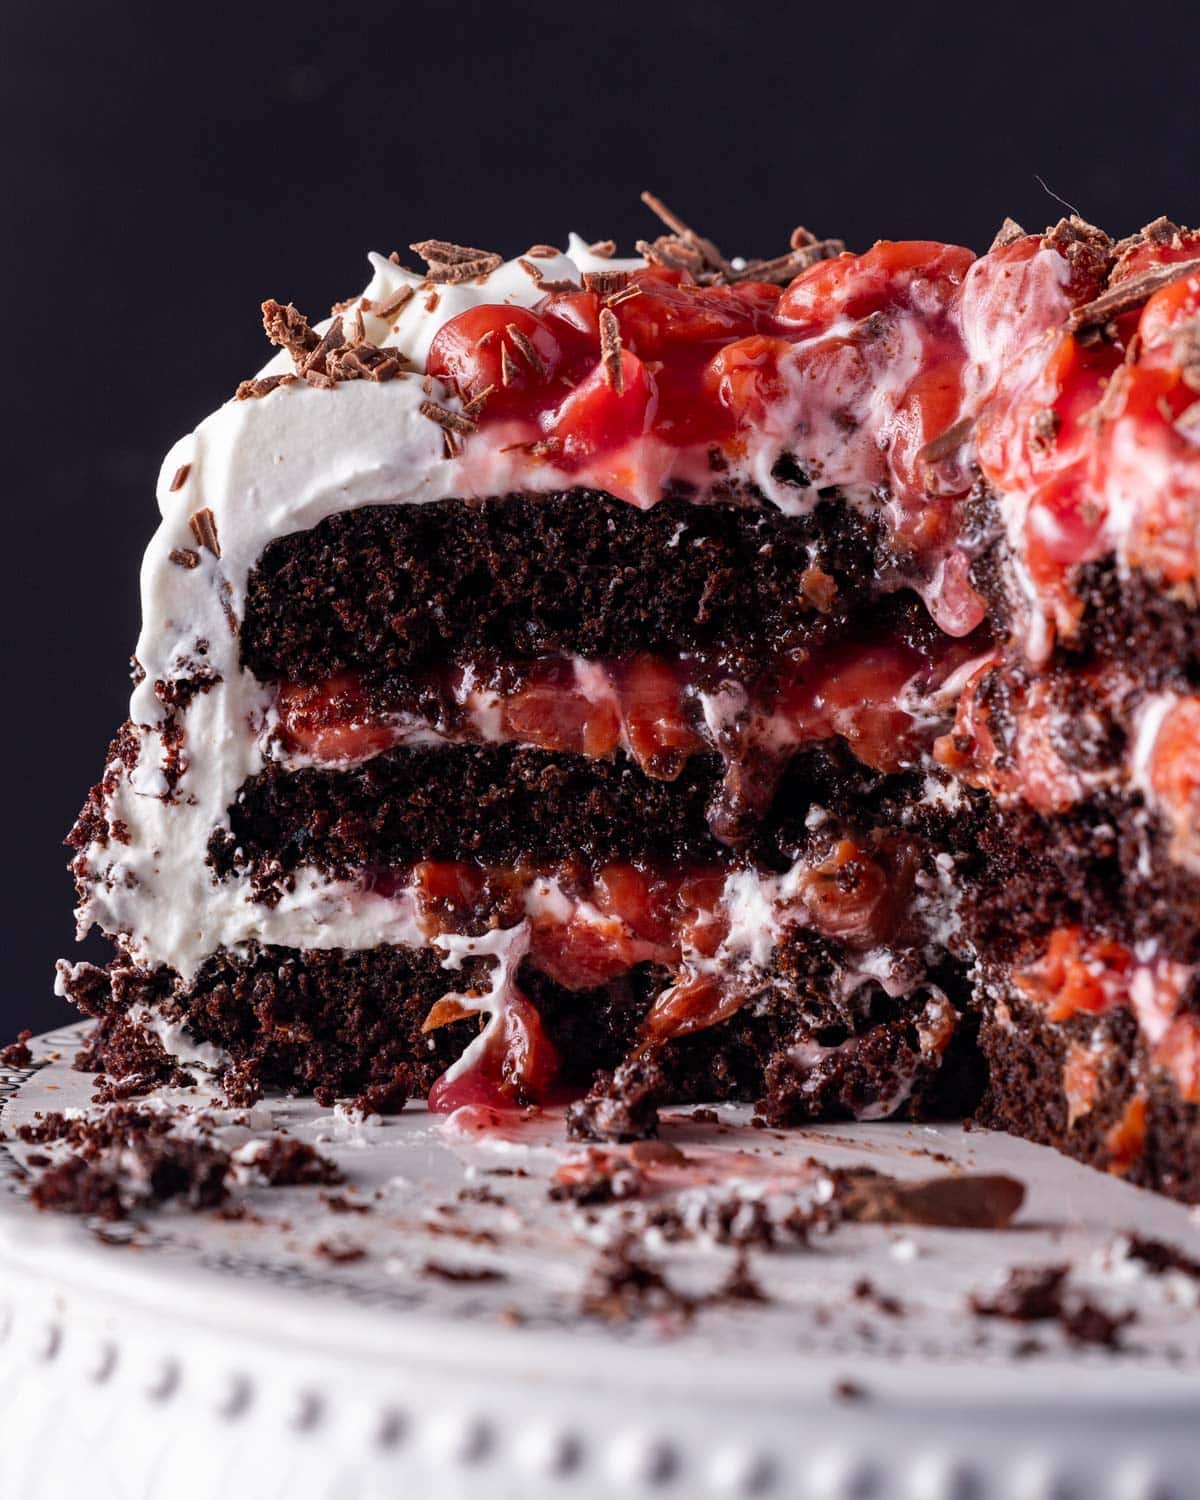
(1030, 739)
(1082, 973)
(880, 698)
(859, 369)
(584, 930)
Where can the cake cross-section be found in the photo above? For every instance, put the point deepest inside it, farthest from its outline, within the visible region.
(625, 681)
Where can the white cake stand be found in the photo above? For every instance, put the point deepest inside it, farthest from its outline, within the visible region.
(209, 1357)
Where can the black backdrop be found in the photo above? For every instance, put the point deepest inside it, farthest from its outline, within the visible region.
(166, 166)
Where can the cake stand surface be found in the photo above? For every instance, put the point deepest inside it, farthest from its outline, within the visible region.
(438, 1346)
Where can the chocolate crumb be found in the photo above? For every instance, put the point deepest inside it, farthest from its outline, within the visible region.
(387, 1097)
(180, 479)
(317, 359)
(624, 1285)
(475, 405)
(601, 1177)
(338, 1203)
(44, 1128)
(849, 1390)
(482, 1194)
(339, 1252)
(866, 1291)
(284, 1161)
(184, 557)
(947, 443)
(1158, 1256)
(17, 1054)
(473, 1274)
(620, 1106)
(242, 1085)
(1037, 1294)
(710, 257)
(741, 1285)
(782, 268)
(289, 329)
(604, 283)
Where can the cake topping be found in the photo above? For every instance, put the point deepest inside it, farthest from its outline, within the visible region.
(204, 529)
(390, 306)
(251, 390)
(610, 350)
(449, 263)
(1129, 292)
(290, 329)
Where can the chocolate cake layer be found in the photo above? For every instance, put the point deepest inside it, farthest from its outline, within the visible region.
(1026, 1056)
(1104, 865)
(349, 1023)
(507, 805)
(1134, 616)
(394, 587)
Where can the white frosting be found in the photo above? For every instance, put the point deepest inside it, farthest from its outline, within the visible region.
(264, 467)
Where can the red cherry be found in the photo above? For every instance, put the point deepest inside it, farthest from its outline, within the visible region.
(597, 417)
(575, 319)
(331, 720)
(517, 1066)
(663, 319)
(745, 379)
(652, 704)
(922, 273)
(506, 351)
(552, 713)
(645, 902)
(582, 953)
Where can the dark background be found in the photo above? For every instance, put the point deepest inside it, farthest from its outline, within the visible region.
(167, 166)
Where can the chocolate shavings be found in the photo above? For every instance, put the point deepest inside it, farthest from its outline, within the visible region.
(1128, 294)
(450, 421)
(399, 299)
(972, 1201)
(289, 328)
(204, 528)
(528, 353)
(1008, 234)
(546, 283)
(610, 350)
(251, 390)
(449, 264)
